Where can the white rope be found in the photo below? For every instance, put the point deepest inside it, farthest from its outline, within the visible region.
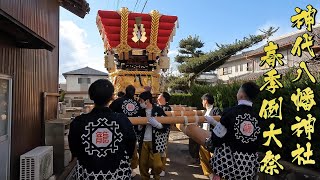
(197, 120)
(185, 120)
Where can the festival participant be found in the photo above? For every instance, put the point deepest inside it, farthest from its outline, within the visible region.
(152, 138)
(120, 94)
(234, 140)
(204, 154)
(131, 108)
(126, 104)
(102, 141)
(163, 100)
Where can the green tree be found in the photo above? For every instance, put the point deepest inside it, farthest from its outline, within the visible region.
(62, 93)
(192, 64)
(214, 59)
(189, 48)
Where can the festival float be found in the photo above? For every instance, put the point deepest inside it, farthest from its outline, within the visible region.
(136, 52)
(136, 47)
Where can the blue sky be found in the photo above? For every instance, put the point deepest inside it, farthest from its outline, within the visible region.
(214, 21)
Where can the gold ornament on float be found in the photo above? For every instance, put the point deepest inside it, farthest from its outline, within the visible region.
(139, 32)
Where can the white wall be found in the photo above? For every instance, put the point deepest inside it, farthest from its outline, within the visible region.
(288, 59)
(73, 85)
(233, 64)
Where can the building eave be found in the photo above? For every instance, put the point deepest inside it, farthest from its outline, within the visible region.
(78, 7)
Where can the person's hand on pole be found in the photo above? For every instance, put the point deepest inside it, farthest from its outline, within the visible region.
(153, 122)
(211, 120)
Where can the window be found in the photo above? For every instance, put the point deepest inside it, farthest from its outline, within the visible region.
(241, 67)
(236, 68)
(5, 87)
(249, 66)
(84, 80)
(227, 70)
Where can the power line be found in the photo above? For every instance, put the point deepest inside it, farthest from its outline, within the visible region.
(135, 6)
(118, 4)
(144, 6)
(138, 4)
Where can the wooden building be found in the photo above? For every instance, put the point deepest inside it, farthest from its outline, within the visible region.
(29, 68)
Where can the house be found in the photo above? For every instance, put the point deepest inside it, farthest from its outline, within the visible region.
(245, 66)
(29, 51)
(236, 65)
(77, 85)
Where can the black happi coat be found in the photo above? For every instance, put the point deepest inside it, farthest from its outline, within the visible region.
(103, 143)
(159, 136)
(127, 106)
(235, 154)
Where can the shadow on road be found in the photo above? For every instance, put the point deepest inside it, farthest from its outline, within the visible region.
(180, 165)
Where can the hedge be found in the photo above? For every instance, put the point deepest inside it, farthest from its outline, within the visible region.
(225, 96)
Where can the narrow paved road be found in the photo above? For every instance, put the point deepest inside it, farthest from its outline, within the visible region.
(180, 165)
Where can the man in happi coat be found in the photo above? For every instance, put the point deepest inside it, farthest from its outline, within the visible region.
(131, 108)
(163, 102)
(152, 138)
(211, 110)
(235, 139)
(101, 140)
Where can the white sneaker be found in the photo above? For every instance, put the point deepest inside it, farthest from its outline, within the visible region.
(162, 174)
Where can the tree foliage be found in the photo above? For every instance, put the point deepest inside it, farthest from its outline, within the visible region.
(62, 93)
(193, 60)
(189, 48)
(214, 59)
(179, 83)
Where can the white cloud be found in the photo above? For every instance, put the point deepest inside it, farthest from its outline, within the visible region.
(173, 53)
(75, 51)
(173, 65)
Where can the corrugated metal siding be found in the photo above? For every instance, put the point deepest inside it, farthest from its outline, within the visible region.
(32, 13)
(33, 72)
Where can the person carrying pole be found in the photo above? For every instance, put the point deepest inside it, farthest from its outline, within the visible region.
(234, 140)
(152, 138)
(131, 108)
(102, 141)
(204, 154)
(163, 100)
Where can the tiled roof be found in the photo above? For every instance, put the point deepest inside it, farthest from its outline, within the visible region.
(288, 40)
(236, 57)
(86, 71)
